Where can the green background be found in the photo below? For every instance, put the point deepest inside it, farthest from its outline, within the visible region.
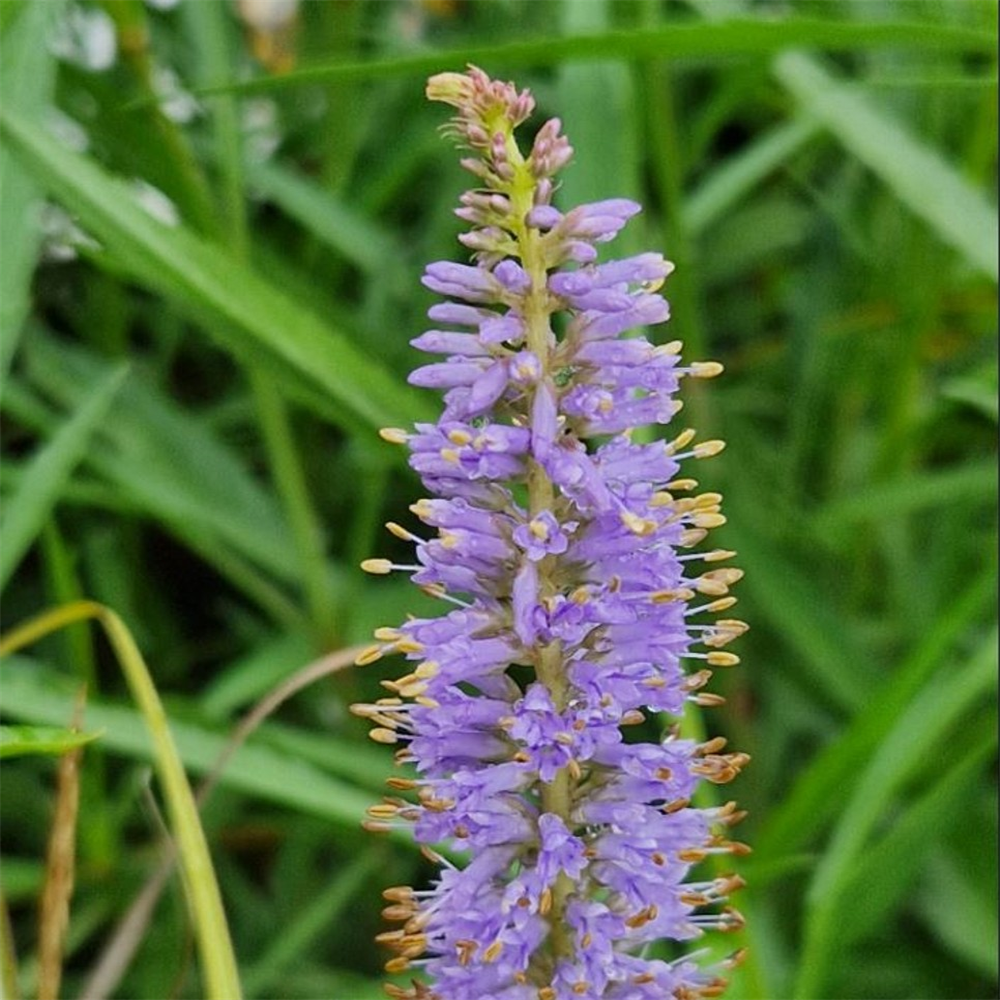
(190, 411)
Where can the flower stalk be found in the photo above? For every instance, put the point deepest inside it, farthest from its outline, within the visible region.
(563, 548)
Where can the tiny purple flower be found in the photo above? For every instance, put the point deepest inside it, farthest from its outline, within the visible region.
(562, 544)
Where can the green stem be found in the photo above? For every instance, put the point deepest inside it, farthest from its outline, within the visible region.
(209, 918)
(9, 987)
(211, 27)
(550, 669)
(289, 478)
(191, 190)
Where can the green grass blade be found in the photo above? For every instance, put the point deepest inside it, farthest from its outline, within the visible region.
(738, 175)
(25, 513)
(27, 78)
(916, 173)
(974, 483)
(263, 977)
(888, 868)
(37, 697)
(579, 90)
(960, 906)
(219, 969)
(833, 661)
(815, 796)
(156, 454)
(750, 36)
(357, 238)
(913, 737)
(16, 741)
(241, 309)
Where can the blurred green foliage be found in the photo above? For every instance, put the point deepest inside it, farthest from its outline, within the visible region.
(213, 237)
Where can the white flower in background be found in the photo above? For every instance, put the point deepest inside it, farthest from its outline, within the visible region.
(85, 36)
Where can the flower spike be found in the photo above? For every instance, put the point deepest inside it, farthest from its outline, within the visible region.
(558, 540)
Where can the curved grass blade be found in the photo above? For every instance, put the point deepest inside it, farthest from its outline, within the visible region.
(267, 774)
(156, 453)
(211, 930)
(263, 977)
(249, 316)
(743, 36)
(814, 797)
(27, 79)
(39, 490)
(19, 741)
(915, 172)
(738, 174)
(915, 735)
(890, 867)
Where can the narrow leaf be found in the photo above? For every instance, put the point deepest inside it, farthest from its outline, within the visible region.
(27, 79)
(156, 455)
(39, 490)
(19, 741)
(211, 930)
(750, 36)
(32, 694)
(913, 737)
(917, 174)
(244, 311)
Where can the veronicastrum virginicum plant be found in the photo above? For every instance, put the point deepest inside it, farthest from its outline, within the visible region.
(579, 605)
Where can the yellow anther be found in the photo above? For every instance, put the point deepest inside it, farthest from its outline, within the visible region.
(705, 369)
(368, 655)
(671, 347)
(720, 658)
(378, 566)
(708, 448)
(426, 670)
(409, 646)
(733, 625)
(705, 699)
(412, 689)
(493, 952)
(704, 500)
(691, 537)
(718, 555)
(681, 441)
(539, 529)
(707, 519)
(422, 508)
(683, 484)
(398, 530)
(459, 437)
(450, 455)
(727, 575)
(386, 634)
(394, 435)
(449, 539)
(661, 499)
(723, 604)
(638, 525)
(667, 596)
(380, 735)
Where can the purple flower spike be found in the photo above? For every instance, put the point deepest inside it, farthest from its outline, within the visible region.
(577, 610)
